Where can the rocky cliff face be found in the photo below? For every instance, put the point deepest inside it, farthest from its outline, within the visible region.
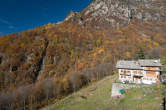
(118, 13)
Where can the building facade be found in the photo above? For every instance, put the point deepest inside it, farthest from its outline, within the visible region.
(141, 71)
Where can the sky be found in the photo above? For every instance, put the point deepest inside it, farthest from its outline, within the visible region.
(20, 15)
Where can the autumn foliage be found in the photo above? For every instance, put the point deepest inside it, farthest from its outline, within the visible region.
(49, 62)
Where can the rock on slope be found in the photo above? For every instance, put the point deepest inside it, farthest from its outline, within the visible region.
(118, 13)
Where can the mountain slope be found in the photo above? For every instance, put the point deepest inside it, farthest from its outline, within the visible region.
(118, 13)
(97, 97)
(58, 60)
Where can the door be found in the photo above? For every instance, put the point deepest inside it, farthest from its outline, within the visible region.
(137, 80)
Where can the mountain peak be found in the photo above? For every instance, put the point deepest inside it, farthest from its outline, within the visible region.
(118, 13)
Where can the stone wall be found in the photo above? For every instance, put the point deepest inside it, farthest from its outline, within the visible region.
(116, 87)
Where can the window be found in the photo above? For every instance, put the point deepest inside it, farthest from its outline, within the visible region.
(139, 72)
(135, 72)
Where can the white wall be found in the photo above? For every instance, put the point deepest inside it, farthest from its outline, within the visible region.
(145, 79)
(125, 77)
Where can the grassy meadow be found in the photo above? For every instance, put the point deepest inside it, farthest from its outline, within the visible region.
(97, 96)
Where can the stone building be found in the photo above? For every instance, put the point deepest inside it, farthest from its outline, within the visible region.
(141, 71)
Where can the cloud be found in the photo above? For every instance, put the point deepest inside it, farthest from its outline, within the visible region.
(10, 26)
(5, 21)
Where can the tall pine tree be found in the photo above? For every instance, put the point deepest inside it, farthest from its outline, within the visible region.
(140, 54)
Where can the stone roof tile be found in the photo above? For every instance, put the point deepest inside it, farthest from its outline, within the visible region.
(137, 64)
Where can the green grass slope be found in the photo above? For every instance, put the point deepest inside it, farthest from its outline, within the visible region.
(97, 97)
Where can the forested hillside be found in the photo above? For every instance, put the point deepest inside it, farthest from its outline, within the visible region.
(49, 62)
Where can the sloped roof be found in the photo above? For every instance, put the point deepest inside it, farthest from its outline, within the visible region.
(149, 62)
(137, 64)
(128, 64)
